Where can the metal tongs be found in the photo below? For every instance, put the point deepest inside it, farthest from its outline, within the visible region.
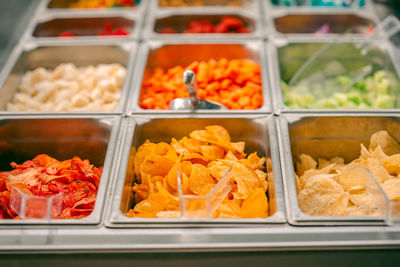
(193, 102)
(310, 72)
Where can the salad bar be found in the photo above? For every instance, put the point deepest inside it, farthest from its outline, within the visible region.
(201, 126)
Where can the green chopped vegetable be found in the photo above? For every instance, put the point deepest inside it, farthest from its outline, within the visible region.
(378, 90)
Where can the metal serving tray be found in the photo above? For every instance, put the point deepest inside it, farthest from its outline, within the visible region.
(179, 20)
(289, 54)
(367, 7)
(61, 6)
(49, 26)
(169, 53)
(209, 5)
(31, 55)
(62, 137)
(325, 136)
(305, 23)
(257, 131)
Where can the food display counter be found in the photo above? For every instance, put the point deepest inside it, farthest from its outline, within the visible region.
(92, 87)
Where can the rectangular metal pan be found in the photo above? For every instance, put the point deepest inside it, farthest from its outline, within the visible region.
(61, 6)
(180, 21)
(171, 53)
(327, 136)
(287, 55)
(302, 24)
(47, 27)
(32, 55)
(208, 5)
(367, 7)
(257, 131)
(62, 137)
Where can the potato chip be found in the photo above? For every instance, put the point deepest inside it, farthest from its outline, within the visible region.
(195, 158)
(392, 164)
(162, 148)
(305, 163)
(311, 172)
(149, 207)
(157, 165)
(186, 167)
(200, 181)
(172, 178)
(192, 145)
(353, 174)
(392, 189)
(202, 160)
(141, 191)
(214, 134)
(363, 201)
(383, 139)
(255, 205)
(364, 153)
(253, 161)
(230, 156)
(357, 211)
(297, 182)
(228, 209)
(218, 169)
(172, 155)
(179, 147)
(238, 146)
(323, 196)
(378, 170)
(165, 193)
(262, 176)
(245, 179)
(378, 153)
(322, 163)
(212, 152)
(145, 151)
(219, 132)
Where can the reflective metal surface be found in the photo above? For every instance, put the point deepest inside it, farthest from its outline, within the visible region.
(49, 55)
(288, 55)
(23, 138)
(258, 132)
(168, 54)
(323, 136)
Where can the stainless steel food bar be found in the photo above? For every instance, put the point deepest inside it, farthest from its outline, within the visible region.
(307, 23)
(256, 131)
(63, 137)
(288, 54)
(49, 26)
(180, 20)
(171, 53)
(31, 55)
(325, 136)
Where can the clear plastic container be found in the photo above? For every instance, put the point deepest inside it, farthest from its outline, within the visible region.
(204, 206)
(36, 207)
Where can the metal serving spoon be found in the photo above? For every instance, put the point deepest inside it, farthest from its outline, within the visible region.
(193, 101)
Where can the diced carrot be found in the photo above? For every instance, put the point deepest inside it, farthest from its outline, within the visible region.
(234, 83)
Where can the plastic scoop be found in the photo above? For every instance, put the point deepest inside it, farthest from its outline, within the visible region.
(311, 72)
(193, 101)
(35, 207)
(192, 206)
